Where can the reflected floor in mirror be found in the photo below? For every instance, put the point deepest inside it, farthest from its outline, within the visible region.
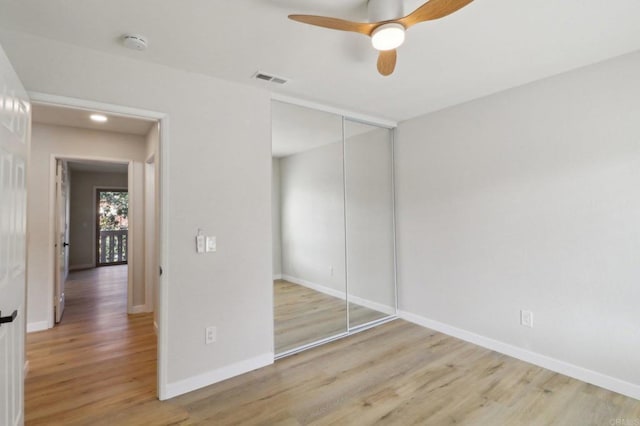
(303, 315)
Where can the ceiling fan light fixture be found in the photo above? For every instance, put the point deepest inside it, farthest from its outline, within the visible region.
(387, 24)
(388, 36)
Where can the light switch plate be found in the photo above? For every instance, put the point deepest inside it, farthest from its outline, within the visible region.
(526, 318)
(200, 244)
(211, 244)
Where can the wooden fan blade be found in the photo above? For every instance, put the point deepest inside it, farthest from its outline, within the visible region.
(433, 9)
(335, 23)
(387, 61)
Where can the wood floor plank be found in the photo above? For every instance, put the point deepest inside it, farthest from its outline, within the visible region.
(99, 368)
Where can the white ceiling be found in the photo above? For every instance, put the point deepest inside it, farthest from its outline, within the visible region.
(62, 116)
(488, 46)
(97, 167)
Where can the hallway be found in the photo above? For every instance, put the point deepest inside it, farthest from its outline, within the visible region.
(96, 359)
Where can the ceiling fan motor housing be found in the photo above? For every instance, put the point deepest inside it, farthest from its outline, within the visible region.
(384, 10)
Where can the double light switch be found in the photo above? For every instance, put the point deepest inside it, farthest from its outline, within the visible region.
(205, 244)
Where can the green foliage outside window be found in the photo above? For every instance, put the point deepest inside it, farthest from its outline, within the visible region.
(114, 210)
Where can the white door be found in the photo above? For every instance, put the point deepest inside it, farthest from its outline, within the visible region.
(62, 236)
(151, 255)
(15, 127)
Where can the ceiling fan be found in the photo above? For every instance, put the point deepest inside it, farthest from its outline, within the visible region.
(388, 25)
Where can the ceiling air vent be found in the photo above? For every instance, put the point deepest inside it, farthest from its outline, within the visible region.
(269, 77)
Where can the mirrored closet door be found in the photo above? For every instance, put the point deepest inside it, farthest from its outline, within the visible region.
(333, 230)
(309, 228)
(370, 242)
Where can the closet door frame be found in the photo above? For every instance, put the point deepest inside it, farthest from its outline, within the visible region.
(371, 121)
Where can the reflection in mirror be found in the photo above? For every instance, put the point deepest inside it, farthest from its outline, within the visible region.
(370, 223)
(308, 226)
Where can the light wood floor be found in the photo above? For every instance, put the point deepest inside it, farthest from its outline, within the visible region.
(97, 360)
(303, 315)
(98, 368)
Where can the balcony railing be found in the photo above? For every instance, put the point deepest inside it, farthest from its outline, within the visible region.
(113, 247)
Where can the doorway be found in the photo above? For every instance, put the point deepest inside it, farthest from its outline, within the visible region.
(117, 291)
(112, 226)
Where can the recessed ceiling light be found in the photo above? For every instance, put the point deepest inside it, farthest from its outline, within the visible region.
(98, 118)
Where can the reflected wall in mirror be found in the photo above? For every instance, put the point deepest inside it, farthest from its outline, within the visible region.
(369, 223)
(308, 228)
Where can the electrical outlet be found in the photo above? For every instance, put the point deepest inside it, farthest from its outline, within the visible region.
(210, 335)
(526, 318)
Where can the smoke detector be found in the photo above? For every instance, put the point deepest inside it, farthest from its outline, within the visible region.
(134, 41)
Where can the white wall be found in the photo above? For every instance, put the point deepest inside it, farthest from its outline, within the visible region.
(312, 209)
(276, 217)
(530, 199)
(82, 213)
(48, 140)
(219, 173)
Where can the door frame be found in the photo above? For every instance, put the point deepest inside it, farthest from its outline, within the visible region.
(162, 191)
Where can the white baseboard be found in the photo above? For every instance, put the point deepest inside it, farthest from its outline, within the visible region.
(218, 375)
(78, 267)
(313, 286)
(139, 309)
(611, 383)
(380, 307)
(37, 326)
(340, 295)
(277, 277)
